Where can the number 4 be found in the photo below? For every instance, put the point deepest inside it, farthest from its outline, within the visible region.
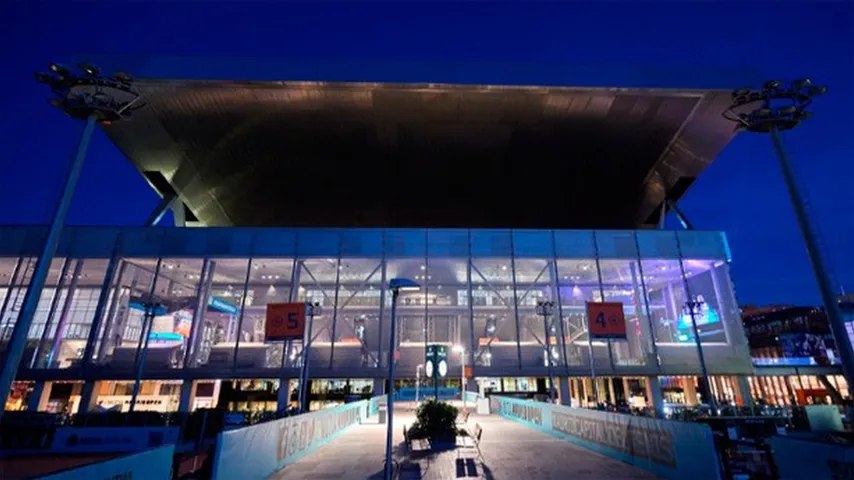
(600, 319)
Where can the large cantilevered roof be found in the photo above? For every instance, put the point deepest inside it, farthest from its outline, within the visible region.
(302, 150)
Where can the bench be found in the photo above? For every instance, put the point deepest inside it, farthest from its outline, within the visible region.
(414, 444)
(475, 435)
(465, 418)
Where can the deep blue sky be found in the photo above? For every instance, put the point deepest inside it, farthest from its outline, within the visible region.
(741, 194)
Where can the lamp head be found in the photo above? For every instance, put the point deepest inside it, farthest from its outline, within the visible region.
(60, 69)
(89, 69)
(404, 285)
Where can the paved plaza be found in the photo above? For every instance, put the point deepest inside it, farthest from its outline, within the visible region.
(508, 451)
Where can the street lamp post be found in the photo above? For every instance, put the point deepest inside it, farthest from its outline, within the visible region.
(776, 107)
(418, 379)
(546, 309)
(83, 94)
(396, 285)
(462, 351)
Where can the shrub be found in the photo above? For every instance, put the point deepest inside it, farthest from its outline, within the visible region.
(435, 420)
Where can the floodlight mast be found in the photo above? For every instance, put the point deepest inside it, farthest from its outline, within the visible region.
(83, 94)
(776, 107)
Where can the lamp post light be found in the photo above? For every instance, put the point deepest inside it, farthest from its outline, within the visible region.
(776, 107)
(462, 351)
(83, 94)
(546, 309)
(396, 285)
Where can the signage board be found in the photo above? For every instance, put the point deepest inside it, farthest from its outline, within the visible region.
(436, 361)
(285, 321)
(606, 320)
(111, 439)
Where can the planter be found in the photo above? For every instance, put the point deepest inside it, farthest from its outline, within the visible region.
(443, 442)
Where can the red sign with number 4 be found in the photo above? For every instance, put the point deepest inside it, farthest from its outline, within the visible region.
(606, 320)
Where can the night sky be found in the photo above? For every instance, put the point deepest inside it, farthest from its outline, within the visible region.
(741, 193)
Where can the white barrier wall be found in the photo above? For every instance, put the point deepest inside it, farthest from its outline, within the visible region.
(155, 464)
(798, 459)
(256, 452)
(668, 448)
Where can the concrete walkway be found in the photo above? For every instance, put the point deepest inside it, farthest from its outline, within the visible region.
(509, 451)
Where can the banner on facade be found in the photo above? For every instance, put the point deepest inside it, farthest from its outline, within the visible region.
(285, 321)
(668, 448)
(261, 450)
(153, 464)
(111, 439)
(606, 320)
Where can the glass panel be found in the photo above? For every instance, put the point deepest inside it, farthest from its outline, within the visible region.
(181, 289)
(494, 301)
(124, 317)
(578, 282)
(672, 327)
(269, 282)
(411, 315)
(48, 309)
(358, 313)
(448, 309)
(707, 286)
(222, 315)
(621, 283)
(317, 278)
(533, 285)
(74, 317)
(12, 272)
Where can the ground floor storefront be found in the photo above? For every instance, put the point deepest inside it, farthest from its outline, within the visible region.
(266, 394)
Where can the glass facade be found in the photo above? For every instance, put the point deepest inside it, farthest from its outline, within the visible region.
(195, 299)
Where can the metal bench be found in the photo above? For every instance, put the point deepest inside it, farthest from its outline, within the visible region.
(414, 444)
(475, 435)
(463, 418)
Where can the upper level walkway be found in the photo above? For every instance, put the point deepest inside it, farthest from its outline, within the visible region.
(508, 451)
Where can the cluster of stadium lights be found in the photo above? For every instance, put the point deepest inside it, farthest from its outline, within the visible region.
(85, 92)
(777, 105)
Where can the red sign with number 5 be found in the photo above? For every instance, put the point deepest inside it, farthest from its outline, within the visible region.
(285, 321)
(606, 320)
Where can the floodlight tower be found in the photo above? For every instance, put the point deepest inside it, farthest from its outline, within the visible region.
(776, 107)
(83, 94)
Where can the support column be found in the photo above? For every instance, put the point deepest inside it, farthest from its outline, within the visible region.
(610, 381)
(188, 396)
(586, 390)
(39, 397)
(89, 396)
(283, 399)
(653, 393)
(690, 389)
(627, 391)
(565, 395)
(743, 389)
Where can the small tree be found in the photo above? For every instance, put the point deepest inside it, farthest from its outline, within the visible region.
(436, 420)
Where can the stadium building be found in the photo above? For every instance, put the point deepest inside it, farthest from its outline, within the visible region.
(493, 197)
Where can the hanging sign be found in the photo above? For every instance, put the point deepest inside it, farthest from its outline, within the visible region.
(285, 321)
(436, 361)
(606, 320)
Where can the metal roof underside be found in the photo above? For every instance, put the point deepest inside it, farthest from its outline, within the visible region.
(418, 155)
